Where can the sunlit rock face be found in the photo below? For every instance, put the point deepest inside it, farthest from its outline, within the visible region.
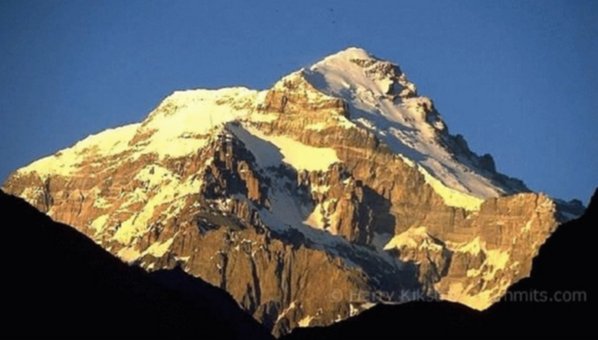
(308, 202)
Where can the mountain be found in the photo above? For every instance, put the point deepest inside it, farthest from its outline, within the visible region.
(59, 283)
(556, 301)
(309, 202)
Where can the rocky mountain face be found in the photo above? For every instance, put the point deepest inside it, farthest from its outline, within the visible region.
(557, 300)
(337, 188)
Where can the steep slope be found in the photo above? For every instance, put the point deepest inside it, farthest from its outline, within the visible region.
(557, 301)
(304, 201)
(61, 284)
(381, 98)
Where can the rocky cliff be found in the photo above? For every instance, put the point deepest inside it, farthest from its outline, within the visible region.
(557, 300)
(338, 188)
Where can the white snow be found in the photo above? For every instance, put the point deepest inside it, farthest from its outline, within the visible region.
(98, 223)
(110, 141)
(316, 219)
(128, 254)
(495, 260)
(298, 155)
(286, 311)
(450, 196)
(305, 321)
(266, 153)
(472, 247)
(159, 249)
(403, 124)
(172, 191)
(30, 194)
(182, 122)
(413, 238)
(154, 175)
(64, 162)
(265, 117)
(100, 202)
(179, 126)
(285, 210)
(288, 213)
(271, 150)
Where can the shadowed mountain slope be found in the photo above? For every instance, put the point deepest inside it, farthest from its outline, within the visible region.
(61, 284)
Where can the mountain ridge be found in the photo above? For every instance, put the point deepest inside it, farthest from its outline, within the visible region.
(252, 190)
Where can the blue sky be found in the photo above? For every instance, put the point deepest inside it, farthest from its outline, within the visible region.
(518, 79)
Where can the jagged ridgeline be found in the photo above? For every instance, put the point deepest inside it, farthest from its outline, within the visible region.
(308, 201)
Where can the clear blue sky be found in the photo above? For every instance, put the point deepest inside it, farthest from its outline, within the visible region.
(518, 78)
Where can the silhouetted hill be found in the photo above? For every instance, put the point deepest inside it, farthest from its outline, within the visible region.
(532, 308)
(58, 283)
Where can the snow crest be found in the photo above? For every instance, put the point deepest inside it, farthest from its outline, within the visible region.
(383, 100)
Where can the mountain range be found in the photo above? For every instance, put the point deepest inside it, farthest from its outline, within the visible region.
(338, 188)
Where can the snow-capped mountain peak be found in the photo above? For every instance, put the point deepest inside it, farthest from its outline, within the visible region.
(341, 167)
(356, 72)
(381, 98)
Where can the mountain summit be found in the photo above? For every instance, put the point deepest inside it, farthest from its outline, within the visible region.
(338, 188)
(382, 99)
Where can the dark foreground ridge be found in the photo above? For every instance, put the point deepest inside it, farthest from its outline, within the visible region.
(58, 283)
(557, 300)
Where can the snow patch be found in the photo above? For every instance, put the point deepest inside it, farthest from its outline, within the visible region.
(99, 222)
(472, 247)
(158, 249)
(172, 193)
(305, 321)
(450, 196)
(413, 238)
(266, 154)
(186, 118)
(154, 175)
(299, 155)
(495, 260)
(316, 219)
(286, 311)
(270, 150)
(65, 162)
(128, 254)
